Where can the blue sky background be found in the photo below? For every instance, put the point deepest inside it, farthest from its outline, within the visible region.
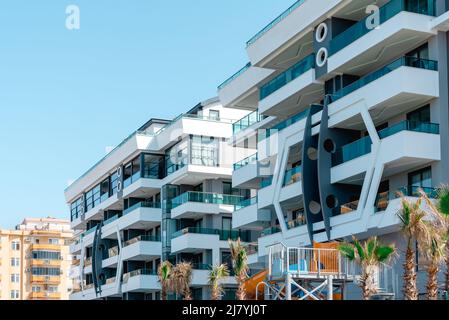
(67, 95)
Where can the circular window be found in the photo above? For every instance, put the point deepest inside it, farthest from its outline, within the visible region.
(321, 32)
(321, 57)
(312, 154)
(314, 207)
(329, 145)
(331, 202)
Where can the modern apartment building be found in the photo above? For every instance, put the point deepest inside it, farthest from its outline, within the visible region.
(350, 105)
(35, 260)
(164, 193)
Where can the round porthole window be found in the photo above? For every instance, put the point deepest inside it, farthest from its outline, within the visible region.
(321, 32)
(314, 207)
(331, 202)
(312, 153)
(329, 145)
(321, 57)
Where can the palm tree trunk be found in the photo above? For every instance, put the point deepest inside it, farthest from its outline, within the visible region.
(214, 295)
(187, 294)
(240, 294)
(432, 282)
(367, 285)
(410, 290)
(447, 268)
(163, 292)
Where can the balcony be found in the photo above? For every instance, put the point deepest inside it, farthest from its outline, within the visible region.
(44, 296)
(46, 262)
(45, 279)
(247, 121)
(142, 215)
(248, 216)
(288, 32)
(191, 203)
(403, 147)
(49, 247)
(265, 134)
(363, 146)
(404, 23)
(246, 174)
(194, 239)
(292, 176)
(280, 96)
(142, 280)
(142, 248)
(383, 199)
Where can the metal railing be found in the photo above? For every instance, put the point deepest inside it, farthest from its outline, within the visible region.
(315, 262)
(245, 203)
(292, 176)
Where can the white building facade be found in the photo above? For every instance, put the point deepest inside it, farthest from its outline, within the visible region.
(165, 193)
(350, 107)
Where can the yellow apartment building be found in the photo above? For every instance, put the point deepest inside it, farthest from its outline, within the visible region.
(35, 260)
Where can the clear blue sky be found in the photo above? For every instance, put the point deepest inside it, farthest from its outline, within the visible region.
(67, 95)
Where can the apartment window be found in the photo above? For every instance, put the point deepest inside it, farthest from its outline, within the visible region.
(52, 289)
(36, 289)
(226, 224)
(38, 271)
(214, 115)
(15, 245)
(76, 209)
(420, 179)
(104, 190)
(53, 241)
(15, 262)
(131, 172)
(15, 294)
(15, 278)
(204, 151)
(46, 255)
(422, 115)
(114, 183)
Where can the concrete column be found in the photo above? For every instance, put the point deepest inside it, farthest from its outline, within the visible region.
(288, 287)
(330, 287)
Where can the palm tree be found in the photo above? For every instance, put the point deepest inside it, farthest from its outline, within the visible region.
(215, 276)
(415, 229)
(240, 266)
(369, 256)
(165, 274)
(434, 249)
(443, 207)
(182, 278)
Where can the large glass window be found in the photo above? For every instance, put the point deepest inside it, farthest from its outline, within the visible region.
(417, 117)
(76, 209)
(38, 271)
(104, 190)
(131, 172)
(153, 166)
(114, 183)
(204, 151)
(46, 255)
(421, 179)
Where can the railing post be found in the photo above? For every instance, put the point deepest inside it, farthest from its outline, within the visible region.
(339, 264)
(319, 262)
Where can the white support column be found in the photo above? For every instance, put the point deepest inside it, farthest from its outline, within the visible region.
(288, 287)
(330, 287)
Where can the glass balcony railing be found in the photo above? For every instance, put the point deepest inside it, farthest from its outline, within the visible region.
(250, 160)
(401, 62)
(204, 197)
(281, 17)
(247, 121)
(298, 222)
(431, 128)
(110, 220)
(266, 133)
(352, 151)
(234, 76)
(383, 199)
(245, 203)
(266, 182)
(388, 11)
(363, 146)
(140, 272)
(113, 252)
(201, 266)
(292, 176)
(287, 76)
(142, 204)
(270, 231)
(224, 235)
(144, 238)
